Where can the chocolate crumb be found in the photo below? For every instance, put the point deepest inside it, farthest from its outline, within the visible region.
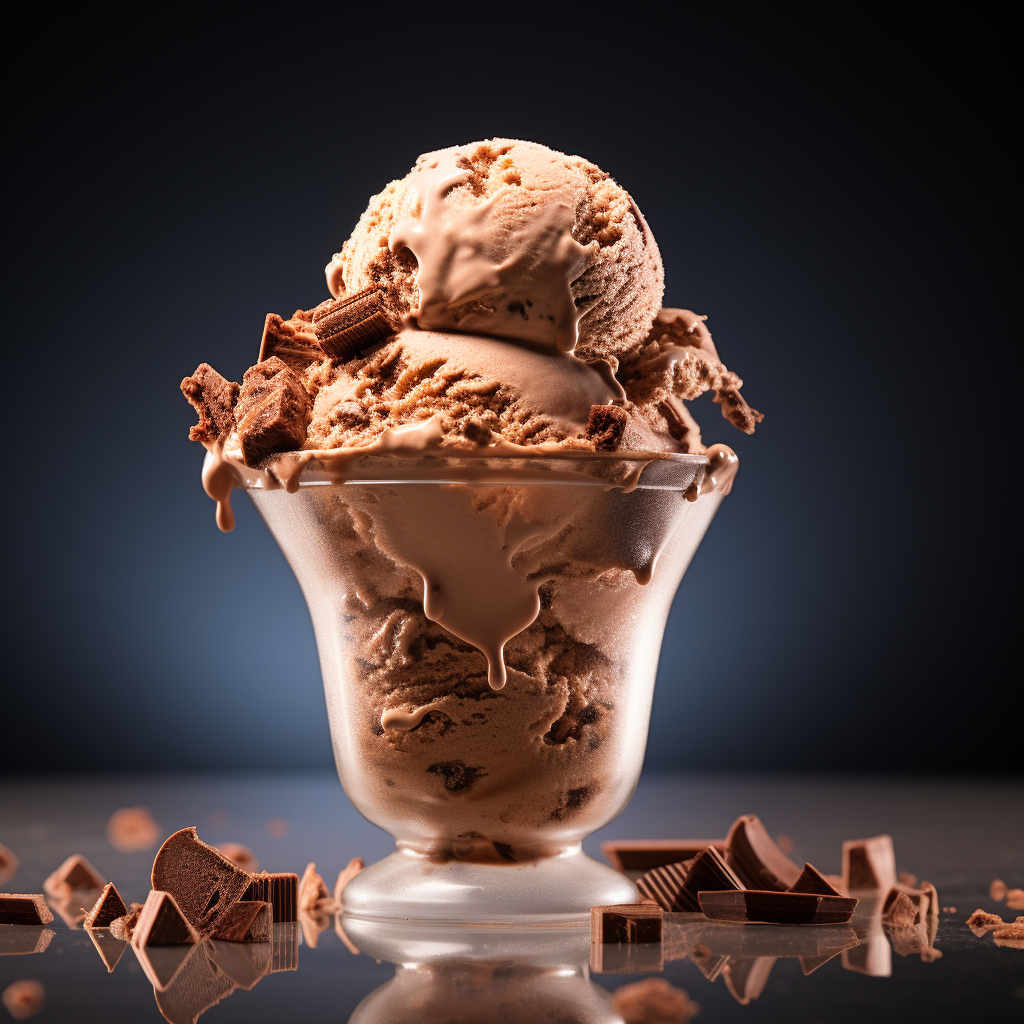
(981, 922)
(998, 890)
(654, 1001)
(132, 829)
(1015, 899)
(347, 325)
(213, 397)
(605, 426)
(24, 999)
(278, 827)
(458, 776)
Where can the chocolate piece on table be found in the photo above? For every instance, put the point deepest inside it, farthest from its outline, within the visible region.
(746, 976)
(626, 922)
(901, 911)
(756, 859)
(998, 890)
(775, 907)
(273, 410)
(110, 949)
(203, 882)
(245, 963)
(108, 907)
(8, 865)
(869, 863)
(981, 922)
(279, 889)
(213, 397)
(354, 866)
(74, 875)
(605, 426)
(19, 939)
(292, 341)
(674, 887)
(161, 923)
(644, 854)
(246, 921)
(313, 893)
(353, 322)
(24, 908)
(811, 880)
(132, 829)
(239, 855)
(122, 927)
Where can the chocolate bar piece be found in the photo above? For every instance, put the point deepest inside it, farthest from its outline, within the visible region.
(123, 927)
(162, 923)
(213, 397)
(280, 890)
(354, 866)
(644, 854)
(353, 322)
(292, 341)
(273, 410)
(8, 864)
(813, 881)
(106, 909)
(605, 426)
(248, 921)
(24, 908)
(869, 863)
(756, 858)
(773, 907)
(203, 882)
(74, 875)
(674, 887)
(626, 922)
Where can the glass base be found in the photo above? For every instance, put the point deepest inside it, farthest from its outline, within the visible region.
(553, 891)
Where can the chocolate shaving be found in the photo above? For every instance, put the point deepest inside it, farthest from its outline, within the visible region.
(213, 397)
(24, 908)
(981, 922)
(280, 890)
(774, 907)
(106, 909)
(313, 893)
(605, 426)
(291, 341)
(249, 921)
(273, 410)
(161, 923)
(349, 324)
(74, 875)
(756, 859)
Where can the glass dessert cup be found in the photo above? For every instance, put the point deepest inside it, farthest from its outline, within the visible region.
(489, 630)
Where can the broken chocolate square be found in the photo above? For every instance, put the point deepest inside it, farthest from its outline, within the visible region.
(674, 887)
(108, 907)
(273, 410)
(213, 397)
(626, 922)
(24, 908)
(246, 921)
(900, 911)
(869, 863)
(644, 854)
(756, 858)
(605, 426)
(74, 875)
(813, 881)
(161, 923)
(353, 322)
(291, 341)
(280, 890)
(773, 907)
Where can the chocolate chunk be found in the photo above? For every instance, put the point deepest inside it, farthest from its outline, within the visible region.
(214, 398)
(1009, 931)
(458, 776)
(626, 922)
(110, 949)
(249, 921)
(8, 864)
(161, 923)
(107, 908)
(353, 322)
(813, 881)
(477, 432)
(674, 887)
(24, 908)
(605, 426)
(27, 938)
(644, 854)
(312, 891)
(203, 882)
(239, 855)
(998, 890)
(869, 863)
(245, 963)
(74, 875)
(280, 890)
(901, 911)
(980, 922)
(273, 410)
(123, 927)
(291, 341)
(132, 829)
(23, 999)
(776, 907)
(354, 866)
(756, 859)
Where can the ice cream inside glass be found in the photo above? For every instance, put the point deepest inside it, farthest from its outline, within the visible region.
(477, 459)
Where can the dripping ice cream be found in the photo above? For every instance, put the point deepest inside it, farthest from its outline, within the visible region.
(496, 315)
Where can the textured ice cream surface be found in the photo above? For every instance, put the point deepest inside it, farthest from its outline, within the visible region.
(512, 239)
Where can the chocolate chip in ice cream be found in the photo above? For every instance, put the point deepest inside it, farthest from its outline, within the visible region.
(292, 341)
(605, 426)
(458, 776)
(273, 410)
(214, 398)
(351, 323)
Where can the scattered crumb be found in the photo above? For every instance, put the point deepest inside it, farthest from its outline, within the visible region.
(949, 910)
(24, 999)
(906, 878)
(241, 856)
(278, 827)
(980, 922)
(1015, 899)
(930, 955)
(1009, 931)
(8, 864)
(654, 1001)
(132, 830)
(785, 843)
(997, 890)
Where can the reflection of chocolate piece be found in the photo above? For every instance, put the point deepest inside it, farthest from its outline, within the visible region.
(351, 323)
(161, 923)
(74, 875)
(709, 963)
(756, 859)
(19, 939)
(108, 907)
(813, 881)
(777, 907)
(8, 864)
(279, 889)
(23, 999)
(195, 985)
(674, 887)
(873, 957)
(625, 958)
(292, 341)
(339, 930)
(809, 964)
(239, 855)
(746, 977)
(273, 410)
(627, 922)
(122, 927)
(132, 829)
(245, 963)
(109, 948)
(285, 948)
(203, 882)
(161, 964)
(644, 854)
(24, 908)
(213, 397)
(354, 866)
(869, 863)
(605, 426)
(653, 1000)
(249, 921)
(981, 922)
(907, 939)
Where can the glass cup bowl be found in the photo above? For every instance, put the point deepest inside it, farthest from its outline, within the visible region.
(489, 631)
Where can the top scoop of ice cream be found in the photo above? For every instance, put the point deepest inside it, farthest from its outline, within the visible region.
(509, 239)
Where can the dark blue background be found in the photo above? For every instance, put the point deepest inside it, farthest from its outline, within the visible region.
(839, 206)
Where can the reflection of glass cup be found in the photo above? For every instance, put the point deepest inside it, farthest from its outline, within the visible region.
(489, 631)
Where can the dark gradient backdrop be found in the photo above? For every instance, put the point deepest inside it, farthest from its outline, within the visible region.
(840, 209)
